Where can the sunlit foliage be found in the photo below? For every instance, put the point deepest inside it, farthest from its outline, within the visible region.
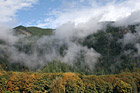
(28, 82)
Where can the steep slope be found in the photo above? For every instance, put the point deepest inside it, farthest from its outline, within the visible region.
(22, 46)
(35, 31)
(118, 47)
(117, 55)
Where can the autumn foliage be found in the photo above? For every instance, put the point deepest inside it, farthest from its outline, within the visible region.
(27, 82)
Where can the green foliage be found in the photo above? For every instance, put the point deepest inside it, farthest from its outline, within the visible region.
(57, 66)
(40, 31)
(108, 43)
(34, 31)
(8, 66)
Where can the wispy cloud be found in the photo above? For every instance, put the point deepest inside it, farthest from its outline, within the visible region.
(9, 8)
(81, 11)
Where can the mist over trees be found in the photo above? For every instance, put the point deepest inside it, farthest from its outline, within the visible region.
(108, 51)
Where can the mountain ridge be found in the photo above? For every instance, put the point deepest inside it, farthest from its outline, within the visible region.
(33, 30)
(108, 42)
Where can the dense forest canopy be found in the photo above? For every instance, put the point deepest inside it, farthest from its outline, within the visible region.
(69, 46)
(108, 51)
(30, 82)
(39, 60)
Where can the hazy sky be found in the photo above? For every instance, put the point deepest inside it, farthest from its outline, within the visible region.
(53, 13)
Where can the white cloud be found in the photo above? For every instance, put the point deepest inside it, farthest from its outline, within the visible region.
(8, 8)
(133, 18)
(82, 0)
(109, 11)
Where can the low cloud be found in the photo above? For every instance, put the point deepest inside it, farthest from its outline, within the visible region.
(73, 25)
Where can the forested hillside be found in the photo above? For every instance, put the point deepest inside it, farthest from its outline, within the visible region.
(35, 31)
(69, 46)
(107, 61)
(117, 53)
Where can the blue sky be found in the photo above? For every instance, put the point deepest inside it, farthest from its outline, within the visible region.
(38, 11)
(42, 10)
(54, 13)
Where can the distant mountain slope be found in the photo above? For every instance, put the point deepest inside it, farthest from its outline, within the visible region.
(119, 48)
(33, 31)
